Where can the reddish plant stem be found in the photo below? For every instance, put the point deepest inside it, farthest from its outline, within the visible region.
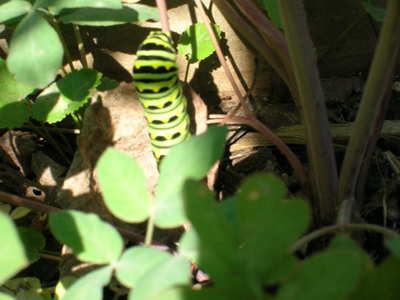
(378, 80)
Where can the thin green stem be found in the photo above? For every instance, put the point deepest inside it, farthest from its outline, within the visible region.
(67, 55)
(50, 139)
(338, 228)
(77, 122)
(81, 47)
(63, 138)
(149, 230)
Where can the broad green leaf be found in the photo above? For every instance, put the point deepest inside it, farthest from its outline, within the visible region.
(380, 282)
(65, 96)
(13, 110)
(196, 42)
(189, 245)
(36, 52)
(25, 288)
(394, 246)
(271, 7)
(109, 17)
(6, 297)
(169, 273)
(218, 248)
(33, 241)
(136, 262)
(90, 286)
(191, 159)
(332, 274)
(107, 84)
(14, 9)
(378, 13)
(123, 186)
(91, 239)
(343, 241)
(209, 293)
(62, 287)
(75, 87)
(12, 252)
(114, 4)
(268, 224)
(49, 105)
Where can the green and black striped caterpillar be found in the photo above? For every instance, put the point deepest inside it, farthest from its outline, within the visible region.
(155, 75)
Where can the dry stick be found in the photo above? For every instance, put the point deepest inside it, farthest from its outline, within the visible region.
(377, 82)
(162, 10)
(251, 120)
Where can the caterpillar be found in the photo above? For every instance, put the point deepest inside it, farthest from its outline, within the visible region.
(155, 76)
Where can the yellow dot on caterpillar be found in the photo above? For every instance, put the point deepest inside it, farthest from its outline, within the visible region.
(155, 90)
(168, 137)
(165, 120)
(254, 195)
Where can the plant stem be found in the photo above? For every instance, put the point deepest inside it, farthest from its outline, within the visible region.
(149, 230)
(336, 228)
(377, 83)
(67, 55)
(48, 138)
(162, 10)
(323, 173)
(221, 57)
(81, 47)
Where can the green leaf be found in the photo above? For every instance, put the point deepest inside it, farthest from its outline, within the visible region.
(91, 239)
(196, 42)
(394, 246)
(332, 274)
(12, 253)
(271, 7)
(6, 297)
(113, 4)
(33, 242)
(169, 273)
(36, 52)
(107, 84)
(62, 286)
(189, 245)
(378, 13)
(109, 17)
(218, 248)
(380, 282)
(123, 186)
(268, 225)
(65, 96)
(209, 293)
(90, 286)
(189, 160)
(25, 288)
(49, 106)
(142, 260)
(14, 9)
(75, 87)
(13, 110)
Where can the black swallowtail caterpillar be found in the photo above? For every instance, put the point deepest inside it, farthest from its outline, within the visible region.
(155, 74)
